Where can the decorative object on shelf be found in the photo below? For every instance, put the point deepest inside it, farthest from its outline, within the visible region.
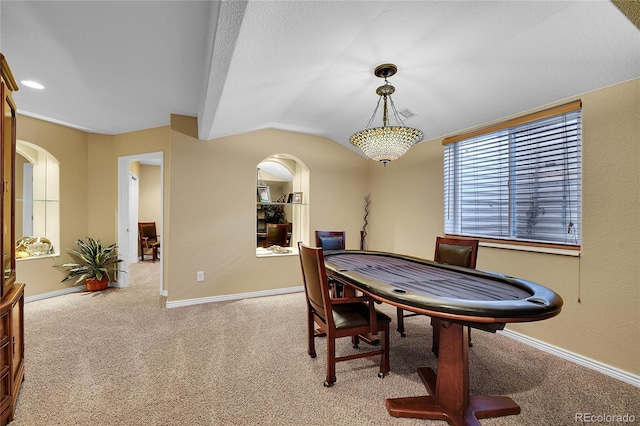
(33, 247)
(264, 195)
(297, 197)
(363, 233)
(290, 198)
(275, 213)
(386, 143)
(99, 263)
(279, 250)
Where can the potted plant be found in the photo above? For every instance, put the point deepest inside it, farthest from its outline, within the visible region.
(98, 264)
(275, 213)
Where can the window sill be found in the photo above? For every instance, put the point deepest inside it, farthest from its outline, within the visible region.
(536, 249)
(19, 259)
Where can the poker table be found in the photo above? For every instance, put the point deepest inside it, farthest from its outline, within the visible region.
(459, 298)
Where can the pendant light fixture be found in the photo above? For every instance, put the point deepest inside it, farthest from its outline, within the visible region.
(388, 142)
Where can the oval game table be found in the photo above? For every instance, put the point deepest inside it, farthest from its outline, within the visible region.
(458, 297)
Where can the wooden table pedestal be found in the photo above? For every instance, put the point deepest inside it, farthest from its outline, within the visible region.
(449, 397)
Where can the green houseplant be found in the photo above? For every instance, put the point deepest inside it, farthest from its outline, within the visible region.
(98, 264)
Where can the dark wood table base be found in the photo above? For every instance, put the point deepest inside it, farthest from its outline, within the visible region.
(449, 397)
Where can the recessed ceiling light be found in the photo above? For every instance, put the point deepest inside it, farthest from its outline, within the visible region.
(32, 84)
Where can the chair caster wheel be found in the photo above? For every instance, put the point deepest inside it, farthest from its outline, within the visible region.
(327, 384)
(381, 374)
(403, 334)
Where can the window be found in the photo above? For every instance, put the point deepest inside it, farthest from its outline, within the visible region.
(517, 181)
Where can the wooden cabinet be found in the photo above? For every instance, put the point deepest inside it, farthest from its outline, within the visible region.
(11, 293)
(7, 172)
(11, 350)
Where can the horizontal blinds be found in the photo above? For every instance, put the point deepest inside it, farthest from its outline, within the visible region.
(561, 109)
(518, 183)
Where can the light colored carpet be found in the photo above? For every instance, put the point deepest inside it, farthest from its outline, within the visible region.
(119, 357)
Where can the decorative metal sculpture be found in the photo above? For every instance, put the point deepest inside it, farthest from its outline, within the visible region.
(363, 233)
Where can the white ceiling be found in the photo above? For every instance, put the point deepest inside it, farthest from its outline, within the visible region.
(119, 66)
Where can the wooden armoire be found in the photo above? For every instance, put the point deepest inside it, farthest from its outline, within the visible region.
(11, 292)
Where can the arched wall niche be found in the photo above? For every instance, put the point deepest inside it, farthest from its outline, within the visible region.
(283, 174)
(37, 201)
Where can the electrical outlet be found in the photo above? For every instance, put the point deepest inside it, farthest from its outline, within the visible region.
(200, 276)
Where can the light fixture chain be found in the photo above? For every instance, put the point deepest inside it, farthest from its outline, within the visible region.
(375, 111)
(395, 112)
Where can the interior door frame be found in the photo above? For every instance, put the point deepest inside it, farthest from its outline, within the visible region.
(134, 196)
(123, 214)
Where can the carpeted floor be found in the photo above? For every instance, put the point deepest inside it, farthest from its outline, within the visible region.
(119, 357)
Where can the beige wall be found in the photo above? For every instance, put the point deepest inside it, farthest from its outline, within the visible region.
(210, 221)
(69, 147)
(601, 288)
(88, 189)
(213, 219)
(150, 197)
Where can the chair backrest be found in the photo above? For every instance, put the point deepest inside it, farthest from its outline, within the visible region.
(330, 240)
(276, 234)
(456, 251)
(147, 230)
(314, 275)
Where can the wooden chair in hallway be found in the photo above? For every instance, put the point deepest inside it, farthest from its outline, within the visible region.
(148, 239)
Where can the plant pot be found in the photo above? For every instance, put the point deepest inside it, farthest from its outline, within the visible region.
(97, 285)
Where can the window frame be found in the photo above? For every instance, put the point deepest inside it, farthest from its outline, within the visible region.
(512, 126)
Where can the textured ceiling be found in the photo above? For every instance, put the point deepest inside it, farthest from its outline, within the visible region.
(114, 67)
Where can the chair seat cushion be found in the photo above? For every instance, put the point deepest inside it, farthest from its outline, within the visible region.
(349, 315)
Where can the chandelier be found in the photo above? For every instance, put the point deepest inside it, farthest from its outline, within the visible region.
(386, 143)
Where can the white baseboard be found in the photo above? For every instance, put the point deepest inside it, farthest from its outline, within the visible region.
(55, 293)
(605, 369)
(236, 296)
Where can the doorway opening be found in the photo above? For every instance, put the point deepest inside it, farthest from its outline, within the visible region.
(133, 198)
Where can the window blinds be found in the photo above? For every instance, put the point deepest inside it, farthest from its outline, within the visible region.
(519, 180)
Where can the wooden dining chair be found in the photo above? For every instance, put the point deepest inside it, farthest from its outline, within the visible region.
(451, 251)
(149, 240)
(339, 317)
(332, 240)
(277, 234)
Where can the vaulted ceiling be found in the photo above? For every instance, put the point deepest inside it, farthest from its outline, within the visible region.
(118, 66)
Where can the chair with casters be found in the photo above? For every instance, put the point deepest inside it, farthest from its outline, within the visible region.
(339, 317)
(148, 239)
(276, 234)
(331, 240)
(451, 251)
